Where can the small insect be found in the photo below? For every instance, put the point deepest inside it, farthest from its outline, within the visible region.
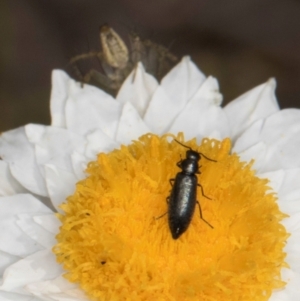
(109, 67)
(183, 198)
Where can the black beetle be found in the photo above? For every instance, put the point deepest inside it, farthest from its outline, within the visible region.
(183, 198)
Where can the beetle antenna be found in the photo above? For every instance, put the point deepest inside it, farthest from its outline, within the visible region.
(207, 158)
(202, 155)
(183, 145)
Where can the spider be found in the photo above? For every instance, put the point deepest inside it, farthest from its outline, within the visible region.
(117, 60)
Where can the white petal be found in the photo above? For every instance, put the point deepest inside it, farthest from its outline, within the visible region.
(257, 103)
(6, 260)
(161, 112)
(290, 189)
(8, 296)
(291, 292)
(39, 266)
(131, 125)
(98, 142)
(28, 225)
(49, 222)
(275, 179)
(176, 89)
(60, 184)
(19, 153)
(281, 134)
(257, 152)
(286, 184)
(79, 162)
(89, 108)
(8, 184)
(59, 95)
(292, 247)
(182, 82)
(12, 239)
(58, 289)
(245, 141)
(202, 115)
(138, 89)
(54, 145)
(56, 285)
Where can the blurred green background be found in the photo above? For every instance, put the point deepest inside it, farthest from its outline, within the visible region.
(242, 43)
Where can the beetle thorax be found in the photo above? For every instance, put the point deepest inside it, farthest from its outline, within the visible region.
(189, 166)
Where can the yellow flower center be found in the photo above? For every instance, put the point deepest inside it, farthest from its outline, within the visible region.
(113, 243)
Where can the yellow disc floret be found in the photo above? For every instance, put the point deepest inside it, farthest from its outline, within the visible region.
(115, 240)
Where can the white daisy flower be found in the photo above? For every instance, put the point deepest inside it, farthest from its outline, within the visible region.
(106, 242)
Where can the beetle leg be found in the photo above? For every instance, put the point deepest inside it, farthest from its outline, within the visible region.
(198, 172)
(167, 200)
(179, 162)
(161, 215)
(172, 183)
(202, 216)
(203, 191)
